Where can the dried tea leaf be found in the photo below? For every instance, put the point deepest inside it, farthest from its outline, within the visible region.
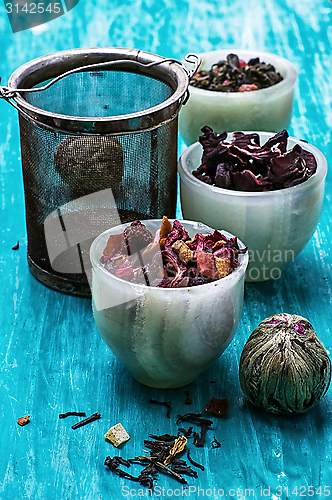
(179, 446)
(235, 75)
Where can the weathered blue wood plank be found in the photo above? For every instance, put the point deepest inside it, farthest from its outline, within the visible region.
(52, 357)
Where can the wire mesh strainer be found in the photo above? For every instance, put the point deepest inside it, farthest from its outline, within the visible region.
(98, 130)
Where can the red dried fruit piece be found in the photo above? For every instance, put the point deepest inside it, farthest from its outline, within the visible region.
(206, 265)
(23, 420)
(113, 246)
(247, 87)
(217, 406)
(137, 237)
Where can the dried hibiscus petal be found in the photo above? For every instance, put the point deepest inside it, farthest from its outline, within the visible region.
(244, 165)
(178, 233)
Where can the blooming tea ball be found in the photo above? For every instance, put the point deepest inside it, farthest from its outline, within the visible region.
(284, 367)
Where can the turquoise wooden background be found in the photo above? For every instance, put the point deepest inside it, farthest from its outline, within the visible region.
(52, 357)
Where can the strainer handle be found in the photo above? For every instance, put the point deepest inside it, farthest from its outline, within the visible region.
(191, 58)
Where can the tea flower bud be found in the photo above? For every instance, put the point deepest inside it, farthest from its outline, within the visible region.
(284, 367)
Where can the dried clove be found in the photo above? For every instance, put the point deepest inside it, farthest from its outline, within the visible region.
(193, 461)
(186, 432)
(72, 414)
(195, 418)
(92, 418)
(163, 403)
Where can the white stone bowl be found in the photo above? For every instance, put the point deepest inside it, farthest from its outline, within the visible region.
(275, 225)
(267, 109)
(165, 337)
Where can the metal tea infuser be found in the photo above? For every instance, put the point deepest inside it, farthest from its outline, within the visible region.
(98, 131)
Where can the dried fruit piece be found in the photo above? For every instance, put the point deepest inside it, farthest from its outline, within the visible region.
(183, 251)
(206, 264)
(23, 420)
(117, 435)
(223, 266)
(247, 87)
(217, 406)
(173, 262)
(137, 237)
(114, 245)
(166, 228)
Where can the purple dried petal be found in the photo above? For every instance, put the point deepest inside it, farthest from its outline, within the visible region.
(171, 261)
(125, 271)
(204, 178)
(210, 139)
(222, 178)
(246, 181)
(223, 252)
(280, 138)
(246, 166)
(198, 281)
(282, 164)
(241, 139)
(183, 283)
(164, 283)
(310, 160)
(178, 233)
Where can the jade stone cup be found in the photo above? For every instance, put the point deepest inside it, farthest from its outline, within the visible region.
(165, 337)
(268, 109)
(275, 225)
